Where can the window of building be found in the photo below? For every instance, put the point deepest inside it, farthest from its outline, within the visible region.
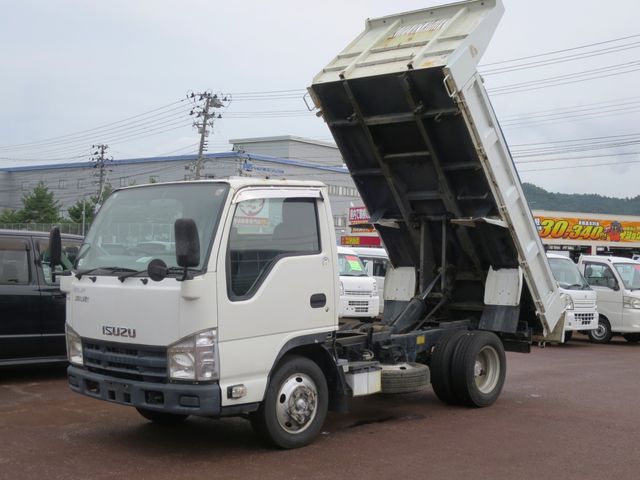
(124, 181)
(339, 221)
(62, 184)
(153, 179)
(80, 185)
(264, 231)
(25, 186)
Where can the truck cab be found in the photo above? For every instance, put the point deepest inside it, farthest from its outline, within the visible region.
(617, 283)
(581, 314)
(359, 294)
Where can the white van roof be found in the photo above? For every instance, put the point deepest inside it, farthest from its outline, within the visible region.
(371, 252)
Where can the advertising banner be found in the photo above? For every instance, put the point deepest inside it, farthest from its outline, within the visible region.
(359, 216)
(587, 229)
(360, 241)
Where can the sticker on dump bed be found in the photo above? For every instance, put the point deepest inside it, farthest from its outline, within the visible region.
(354, 263)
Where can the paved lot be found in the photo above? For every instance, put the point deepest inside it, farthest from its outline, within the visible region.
(567, 412)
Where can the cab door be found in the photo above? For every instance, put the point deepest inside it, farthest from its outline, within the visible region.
(601, 278)
(276, 281)
(19, 301)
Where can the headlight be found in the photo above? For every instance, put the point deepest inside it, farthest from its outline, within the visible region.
(631, 302)
(74, 346)
(341, 288)
(568, 301)
(194, 357)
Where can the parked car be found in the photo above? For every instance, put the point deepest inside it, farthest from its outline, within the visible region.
(32, 308)
(582, 311)
(376, 261)
(617, 283)
(358, 291)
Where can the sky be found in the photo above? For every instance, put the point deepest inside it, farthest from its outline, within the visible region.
(77, 73)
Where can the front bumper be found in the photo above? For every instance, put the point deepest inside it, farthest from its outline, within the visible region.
(189, 399)
(577, 320)
(359, 306)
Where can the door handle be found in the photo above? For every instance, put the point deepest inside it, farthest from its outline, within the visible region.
(318, 300)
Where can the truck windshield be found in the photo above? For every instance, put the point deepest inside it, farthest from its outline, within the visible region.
(136, 225)
(567, 274)
(630, 274)
(350, 266)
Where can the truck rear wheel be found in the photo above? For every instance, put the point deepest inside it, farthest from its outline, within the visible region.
(441, 365)
(295, 404)
(163, 418)
(603, 333)
(478, 369)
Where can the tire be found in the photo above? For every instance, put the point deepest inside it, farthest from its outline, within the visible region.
(632, 337)
(404, 377)
(568, 334)
(162, 418)
(298, 387)
(603, 333)
(441, 365)
(478, 369)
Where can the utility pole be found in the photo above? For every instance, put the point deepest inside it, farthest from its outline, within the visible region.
(98, 156)
(204, 110)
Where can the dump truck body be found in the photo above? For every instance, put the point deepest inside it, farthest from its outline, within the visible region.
(415, 126)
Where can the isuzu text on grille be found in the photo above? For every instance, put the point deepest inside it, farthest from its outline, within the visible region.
(119, 331)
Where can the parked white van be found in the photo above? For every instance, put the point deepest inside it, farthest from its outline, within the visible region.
(376, 261)
(582, 310)
(617, 282)
(358, 291)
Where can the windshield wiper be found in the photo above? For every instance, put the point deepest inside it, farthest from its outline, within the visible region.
(82, 273)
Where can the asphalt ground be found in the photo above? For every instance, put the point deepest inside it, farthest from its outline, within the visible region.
(566, 412)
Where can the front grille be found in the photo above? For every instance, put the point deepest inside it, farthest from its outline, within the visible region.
(359, 293)
(131, 362)
(584, 304)
(358, 303)
(585, 318)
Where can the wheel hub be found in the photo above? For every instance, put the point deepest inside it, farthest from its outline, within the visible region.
(486, 370)
(297, 403)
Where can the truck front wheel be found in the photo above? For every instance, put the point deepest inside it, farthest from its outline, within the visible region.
(478, 369)
(295, 404)
(603, 333)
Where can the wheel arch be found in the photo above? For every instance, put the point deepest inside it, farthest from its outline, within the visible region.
(314, 348)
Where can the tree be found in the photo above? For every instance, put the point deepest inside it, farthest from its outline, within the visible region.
(40, 206)
(82, 206)
(9, 215)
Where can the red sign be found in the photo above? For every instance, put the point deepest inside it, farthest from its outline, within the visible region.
(360, 241)
(358, 215)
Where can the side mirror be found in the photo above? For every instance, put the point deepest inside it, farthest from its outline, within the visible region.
(55, 251)
(187, 243)
(612, 284)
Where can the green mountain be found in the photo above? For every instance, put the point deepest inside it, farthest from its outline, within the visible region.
(540, 199)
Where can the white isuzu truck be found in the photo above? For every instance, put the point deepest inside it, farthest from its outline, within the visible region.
(217, 298)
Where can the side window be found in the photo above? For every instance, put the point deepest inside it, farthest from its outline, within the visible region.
(14, 262)
(262, 232)
(597, 275)
(69, 254)
(379, 268)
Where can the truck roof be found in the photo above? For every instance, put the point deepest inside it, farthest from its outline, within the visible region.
(241, 182)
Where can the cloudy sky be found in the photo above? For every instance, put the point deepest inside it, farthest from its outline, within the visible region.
(75, 73)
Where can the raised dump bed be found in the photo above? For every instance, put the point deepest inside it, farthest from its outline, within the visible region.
(415, 126)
